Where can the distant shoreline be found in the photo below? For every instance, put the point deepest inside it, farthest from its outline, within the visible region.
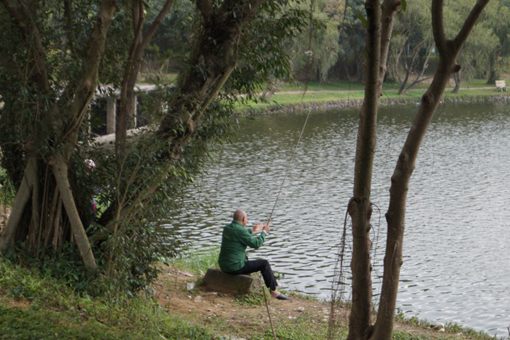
(346, 103)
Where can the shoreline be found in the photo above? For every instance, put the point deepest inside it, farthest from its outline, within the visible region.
(349, 103)
(37, 305)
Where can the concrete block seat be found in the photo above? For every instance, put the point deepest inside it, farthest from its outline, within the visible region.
(219, 281)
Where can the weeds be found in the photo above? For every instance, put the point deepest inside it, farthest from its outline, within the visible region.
(197, 262)
(34, 305)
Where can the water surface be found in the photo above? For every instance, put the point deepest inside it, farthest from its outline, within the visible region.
(457, 243)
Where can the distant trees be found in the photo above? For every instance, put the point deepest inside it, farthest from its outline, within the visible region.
(475, 55)
(411, 46)
(349, 65)
(316, 49)
(496, 17)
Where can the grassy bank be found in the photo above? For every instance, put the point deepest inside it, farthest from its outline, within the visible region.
(317, 93)
(36, 306)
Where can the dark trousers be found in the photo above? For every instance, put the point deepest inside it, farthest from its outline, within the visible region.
(262, 266)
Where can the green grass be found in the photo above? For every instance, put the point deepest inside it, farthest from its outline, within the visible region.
(34, 306)
(37, 306)
(295, 94)
(304, 327)
(317, 86)
(197, 262)
(448, 329)
(157, 77)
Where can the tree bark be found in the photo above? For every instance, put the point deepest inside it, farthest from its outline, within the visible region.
(420, 77)
(493, 72)
(379, 30)
(64, 116)
(456, 79)
(60, 171)
(132, 68)
(20, 200)
(212, 61)
(359, 205)
(395, 216)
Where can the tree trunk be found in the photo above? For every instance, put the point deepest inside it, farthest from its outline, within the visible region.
(456, 79)
(132, 69)
(60, 170)
(493, 73)
(44, 225)
(395, 216)
(359, 206)
(396, 210)
(20, 200)
(420, 77)
(403, 84)
(212, 61)
(379, 30)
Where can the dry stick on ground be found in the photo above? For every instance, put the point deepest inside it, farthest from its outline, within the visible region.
(395, 215)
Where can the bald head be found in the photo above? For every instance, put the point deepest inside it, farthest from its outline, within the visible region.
(240, 217)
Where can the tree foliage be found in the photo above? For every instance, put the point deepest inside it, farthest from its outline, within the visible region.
(411, 45)
(55, 55)
(316, 49)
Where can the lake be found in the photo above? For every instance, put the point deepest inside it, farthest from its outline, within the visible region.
(457, 241)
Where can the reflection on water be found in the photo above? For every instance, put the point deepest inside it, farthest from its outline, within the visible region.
(456, 253)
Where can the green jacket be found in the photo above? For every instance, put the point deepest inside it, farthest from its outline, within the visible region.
(234, 241)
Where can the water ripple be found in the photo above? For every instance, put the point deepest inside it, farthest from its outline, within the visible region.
(456, 255)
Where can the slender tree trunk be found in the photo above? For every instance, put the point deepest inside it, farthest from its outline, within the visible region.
(403, 84)
(132, 69)
(456, 79)
(420, 77)
(60, 170)
(20, 200)
(396, 211)
(493, 73)
(359, 206)
(379, 30)
(395, 216)
(63, 118)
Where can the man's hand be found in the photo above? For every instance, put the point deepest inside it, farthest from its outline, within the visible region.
(267, 227)
(257, 228)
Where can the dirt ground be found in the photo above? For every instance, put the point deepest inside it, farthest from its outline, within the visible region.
(175, 294)
(207, 307)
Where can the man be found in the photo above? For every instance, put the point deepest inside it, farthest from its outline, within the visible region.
(233, 260)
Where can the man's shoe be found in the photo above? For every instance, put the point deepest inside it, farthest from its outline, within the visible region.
(282, 297)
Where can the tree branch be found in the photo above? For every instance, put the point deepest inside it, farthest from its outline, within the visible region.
(469, 23)
(68, 20)
(206, 8)
(60, 172)
(23, 18)
(137, 15)
(86, 85)
(244, 10)
(438, 26)
(156, 23)
(389, 8)
(18, 206)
